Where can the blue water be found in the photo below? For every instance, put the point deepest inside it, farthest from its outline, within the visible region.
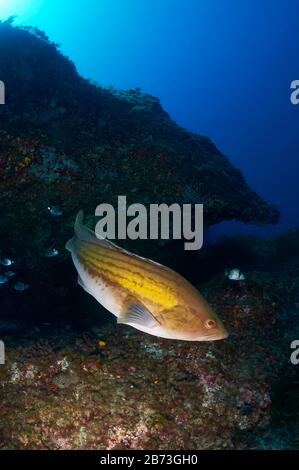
(220, 68)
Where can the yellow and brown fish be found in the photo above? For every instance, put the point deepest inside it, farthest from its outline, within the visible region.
(141, 292)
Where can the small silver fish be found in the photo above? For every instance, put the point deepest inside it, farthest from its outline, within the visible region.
(3, 279)
(235, 275)
(6, 261)
(51, 252)
(20, 286)
(10, 273)
(54, 210)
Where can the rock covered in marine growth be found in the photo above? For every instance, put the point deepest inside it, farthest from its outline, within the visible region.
(70, 144)
(116, 388)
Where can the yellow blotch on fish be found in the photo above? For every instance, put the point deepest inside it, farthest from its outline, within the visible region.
(139, 292)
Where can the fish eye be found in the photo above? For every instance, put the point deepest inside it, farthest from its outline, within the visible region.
(209, 324)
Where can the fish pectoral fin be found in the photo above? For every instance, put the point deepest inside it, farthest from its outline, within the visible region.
(138, 314)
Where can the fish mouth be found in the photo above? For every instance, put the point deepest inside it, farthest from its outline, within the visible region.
(223, 334)
(217, 336)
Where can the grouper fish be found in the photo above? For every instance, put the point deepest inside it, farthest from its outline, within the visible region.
(139, 292)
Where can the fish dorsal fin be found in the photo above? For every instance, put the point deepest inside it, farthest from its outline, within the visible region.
(85, 234)
(136, 313)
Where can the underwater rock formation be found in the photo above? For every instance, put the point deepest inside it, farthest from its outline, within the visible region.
(68, 143)
(116, 388)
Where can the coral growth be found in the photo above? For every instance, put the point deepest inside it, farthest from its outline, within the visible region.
(69, 144)
(116, 388)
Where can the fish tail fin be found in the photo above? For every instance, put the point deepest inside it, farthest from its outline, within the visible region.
(79, 223)
(80, 232)
(69, 244)
(85, 234)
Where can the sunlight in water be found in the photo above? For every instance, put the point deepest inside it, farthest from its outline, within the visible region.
(22, 9)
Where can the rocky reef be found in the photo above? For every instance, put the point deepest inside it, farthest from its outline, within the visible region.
(72, 379)
(112, 387)
(70, 144)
